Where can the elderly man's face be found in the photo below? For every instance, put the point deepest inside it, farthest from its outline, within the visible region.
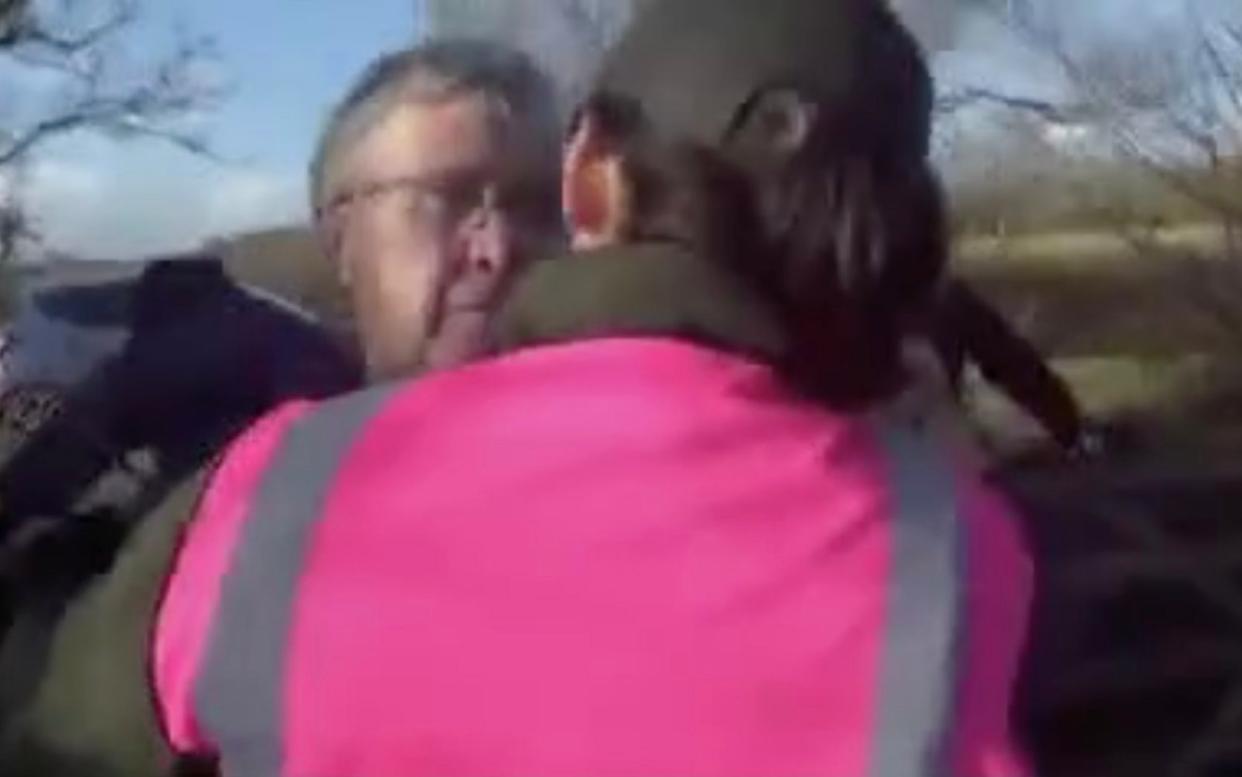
(426, 216)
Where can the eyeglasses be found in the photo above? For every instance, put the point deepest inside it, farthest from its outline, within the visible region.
(447, 201)
(436, 196)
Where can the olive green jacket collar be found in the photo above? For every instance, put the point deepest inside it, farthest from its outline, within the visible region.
(638, 290)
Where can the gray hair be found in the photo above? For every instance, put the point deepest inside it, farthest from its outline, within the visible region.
(523, 97)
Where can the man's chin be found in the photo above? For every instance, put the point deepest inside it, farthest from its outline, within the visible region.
(459, 340)
(397, 361)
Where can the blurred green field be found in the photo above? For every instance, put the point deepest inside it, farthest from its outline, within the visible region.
(1091, 294)
(1073, 248)
(1136, 550)
(1141, 338)
(1129, 332)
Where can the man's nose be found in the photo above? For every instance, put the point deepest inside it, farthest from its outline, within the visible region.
(487, 244)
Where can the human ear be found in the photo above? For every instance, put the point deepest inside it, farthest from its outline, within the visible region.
(594, 188)
(777, 124)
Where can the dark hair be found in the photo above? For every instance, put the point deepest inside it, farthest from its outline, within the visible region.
(847, 244)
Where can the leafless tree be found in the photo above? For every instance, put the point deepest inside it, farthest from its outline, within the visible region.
(77, 46)
(15, 228)
(1169, 105)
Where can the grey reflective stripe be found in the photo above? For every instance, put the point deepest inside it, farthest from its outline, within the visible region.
(239, 689)
(926, 611)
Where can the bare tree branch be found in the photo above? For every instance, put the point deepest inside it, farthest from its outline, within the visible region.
(124, 117)
(78, 49)
(586, 20)
(140, 112)
(975, 95)
(13, 14)
(38, 34)
(1171, 108)
(1224, 56)
(15, 228)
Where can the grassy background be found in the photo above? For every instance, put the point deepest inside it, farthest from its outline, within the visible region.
(1133, 332)
(1129, 332)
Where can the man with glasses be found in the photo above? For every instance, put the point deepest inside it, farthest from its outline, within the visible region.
(434, 180)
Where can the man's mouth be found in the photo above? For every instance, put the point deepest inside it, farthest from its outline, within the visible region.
(465, 300)
(460, 335)
(468, 309)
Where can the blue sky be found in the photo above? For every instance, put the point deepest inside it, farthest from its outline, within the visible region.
(288, 61)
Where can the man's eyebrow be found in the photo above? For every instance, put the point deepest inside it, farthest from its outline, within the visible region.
(377, 186)
(444, 182)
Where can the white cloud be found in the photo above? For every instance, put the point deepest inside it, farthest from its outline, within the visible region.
(1068, 138)
(933, 22)
(62, 180)
(244, 200)
(96, 200)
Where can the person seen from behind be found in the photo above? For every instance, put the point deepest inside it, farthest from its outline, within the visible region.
(666, 527)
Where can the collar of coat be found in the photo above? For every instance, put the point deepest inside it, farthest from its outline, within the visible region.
(638, 290)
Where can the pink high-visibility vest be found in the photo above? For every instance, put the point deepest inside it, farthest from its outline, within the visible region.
(611, 558)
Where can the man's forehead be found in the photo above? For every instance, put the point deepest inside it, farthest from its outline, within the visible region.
(429, 133)
(461, 132)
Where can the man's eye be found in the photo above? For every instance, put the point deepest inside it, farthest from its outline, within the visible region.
(428, 204)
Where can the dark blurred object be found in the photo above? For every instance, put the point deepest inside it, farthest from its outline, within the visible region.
(96, 306)
(113, 385)
(1098, 440)
(204, 358)
(42, 566)
(1132, 667)
(966, 329)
